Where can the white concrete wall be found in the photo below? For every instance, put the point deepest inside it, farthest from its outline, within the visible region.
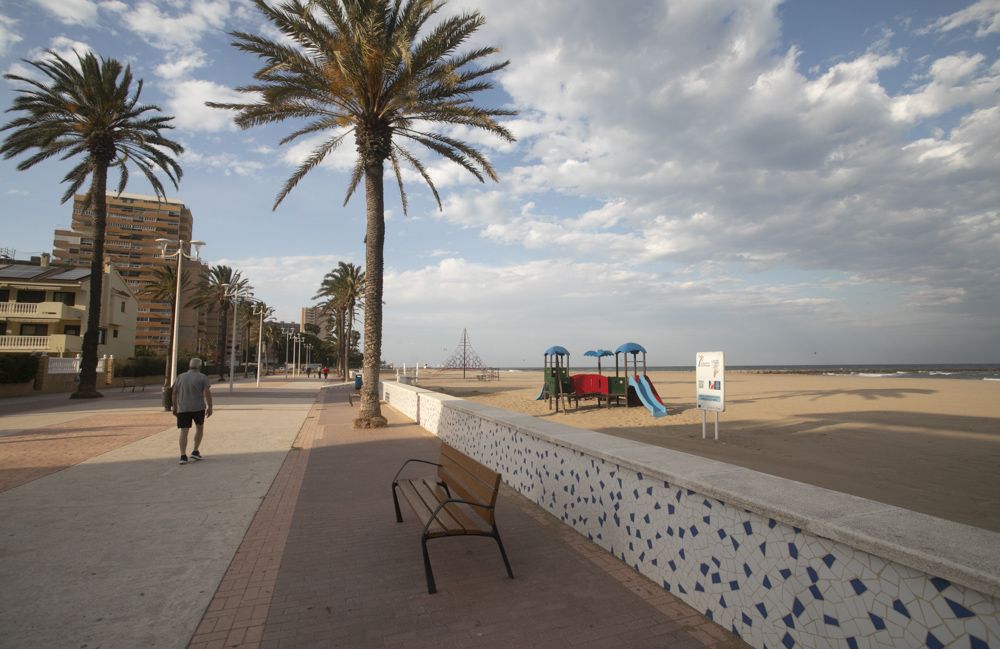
(781, 563)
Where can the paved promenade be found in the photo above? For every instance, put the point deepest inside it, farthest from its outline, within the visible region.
(284, 536)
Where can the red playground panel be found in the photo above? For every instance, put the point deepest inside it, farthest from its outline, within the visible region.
(589, 384)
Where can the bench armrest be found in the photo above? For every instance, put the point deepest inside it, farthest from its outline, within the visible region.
(395, 477)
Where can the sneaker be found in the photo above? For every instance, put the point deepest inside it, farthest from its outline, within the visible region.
(184, 459)
(195, 455)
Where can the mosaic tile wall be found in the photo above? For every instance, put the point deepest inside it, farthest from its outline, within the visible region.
(772, 584)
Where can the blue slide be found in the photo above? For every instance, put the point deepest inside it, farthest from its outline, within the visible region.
(648, 395)
(543, 395)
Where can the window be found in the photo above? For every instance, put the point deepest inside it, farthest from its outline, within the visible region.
(114, 334)
(34, 329)
(103, 337)
(66, 297)
(31, 297)
(4, 295)
(71, 330)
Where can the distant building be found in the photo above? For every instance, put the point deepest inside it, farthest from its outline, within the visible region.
(314, 315)
(43, 309)
(133, 225)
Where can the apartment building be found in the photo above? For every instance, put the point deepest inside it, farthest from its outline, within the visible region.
(314, 315)
(134, 224)
(43, 309)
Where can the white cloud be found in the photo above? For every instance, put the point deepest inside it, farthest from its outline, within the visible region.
(65, 47)
(985, 14)
(8, 34)
(228, 163)
(71, 12)
(181, 29)
(186, 103)
(179, 64)
(341, 159)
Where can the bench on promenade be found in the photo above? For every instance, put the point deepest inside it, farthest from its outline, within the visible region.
(132, 382)
(458, 500)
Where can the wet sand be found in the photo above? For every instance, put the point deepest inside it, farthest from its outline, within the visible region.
(930, 445)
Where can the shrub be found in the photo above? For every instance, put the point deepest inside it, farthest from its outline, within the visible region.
(18, 368)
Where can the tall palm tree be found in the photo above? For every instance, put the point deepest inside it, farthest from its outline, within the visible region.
(215, 293)
(343, 288)
(89, 111)
(163, 288)
(360, 66)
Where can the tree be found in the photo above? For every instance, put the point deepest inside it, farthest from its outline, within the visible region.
(358, 66)
(89, 111)
(343, 288)
(215, 293)
(163, 288)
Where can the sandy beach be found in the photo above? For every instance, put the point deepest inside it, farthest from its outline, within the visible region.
(930, 445)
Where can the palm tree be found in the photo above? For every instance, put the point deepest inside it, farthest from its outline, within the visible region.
(343, 287)
(358, 67)
(163, 288)
(215, 293)
(89, 111)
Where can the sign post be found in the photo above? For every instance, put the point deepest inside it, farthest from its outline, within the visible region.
(710, 370)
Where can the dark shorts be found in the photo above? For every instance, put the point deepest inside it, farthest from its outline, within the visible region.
(184, 419)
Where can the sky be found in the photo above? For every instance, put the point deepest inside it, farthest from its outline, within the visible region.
(798, 182)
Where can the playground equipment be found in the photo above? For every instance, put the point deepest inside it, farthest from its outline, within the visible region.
(557, 382)
(635, 388)
(640, 389)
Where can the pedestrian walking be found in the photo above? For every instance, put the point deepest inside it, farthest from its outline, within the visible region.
(326, 373)
(309, 370)
(191, 396)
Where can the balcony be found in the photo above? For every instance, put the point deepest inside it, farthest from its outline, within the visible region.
(42, 311)
(54, 344)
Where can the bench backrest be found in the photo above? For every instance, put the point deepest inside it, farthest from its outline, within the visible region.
(469, 480)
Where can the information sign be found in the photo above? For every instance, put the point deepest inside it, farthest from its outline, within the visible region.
(710, 369)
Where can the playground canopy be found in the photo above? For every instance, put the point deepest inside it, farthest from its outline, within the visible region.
(599, 353)
(630, 348)
(556, 350)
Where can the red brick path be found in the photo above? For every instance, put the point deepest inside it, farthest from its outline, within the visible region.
(38, 452)
(324, 564)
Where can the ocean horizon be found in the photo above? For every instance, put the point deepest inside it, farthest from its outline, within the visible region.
(974, 371)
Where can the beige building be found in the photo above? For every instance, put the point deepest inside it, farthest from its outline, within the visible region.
(43, 309)
(134, 224)
(314, 315)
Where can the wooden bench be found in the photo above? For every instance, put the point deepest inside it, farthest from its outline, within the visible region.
(459, 500)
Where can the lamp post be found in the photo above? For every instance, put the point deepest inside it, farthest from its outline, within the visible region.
(235, 295)
(309, 348)
(259, 309)
(180, 254)
(297, 353)
(288, 337)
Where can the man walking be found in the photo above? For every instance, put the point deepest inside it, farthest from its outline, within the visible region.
(192, 402)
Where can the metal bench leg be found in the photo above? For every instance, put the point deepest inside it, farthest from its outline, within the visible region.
(496, 537)
(431, 587)
(395, 503)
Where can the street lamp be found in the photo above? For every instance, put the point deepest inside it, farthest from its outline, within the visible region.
(288, 337)
(308, 357)
(260, 334)
(235, 295)
(181, 255)
(297, 353)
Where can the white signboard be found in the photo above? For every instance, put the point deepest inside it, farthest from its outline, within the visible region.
(710, 369)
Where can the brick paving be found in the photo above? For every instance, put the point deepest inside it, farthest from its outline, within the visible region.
(324, 564)
(38, 452)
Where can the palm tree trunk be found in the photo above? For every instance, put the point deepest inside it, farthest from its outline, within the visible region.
(370, 413)
(91, 338)
(347, 342)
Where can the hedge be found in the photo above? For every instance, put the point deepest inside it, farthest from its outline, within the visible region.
(18, 368)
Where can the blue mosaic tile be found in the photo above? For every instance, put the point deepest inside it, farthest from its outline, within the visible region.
(828, 560)
(767, 582)
(900, 608)
(830, 621)
(747, 528)
(793, 550)
(762, 609)
(877, 621)
(813, 577)
(788, 641)
(959, 610)
(940, 583)
(815, 592)
(858, 586)
(746, 619)
(789, 621)
(976, 643)
(933, 642)
(852, 643)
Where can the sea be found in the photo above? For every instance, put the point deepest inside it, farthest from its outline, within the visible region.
(977, 372)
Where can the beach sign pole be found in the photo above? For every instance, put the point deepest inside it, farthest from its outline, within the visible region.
(710, 387)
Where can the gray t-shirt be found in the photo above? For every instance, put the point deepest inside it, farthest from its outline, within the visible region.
(189, 391)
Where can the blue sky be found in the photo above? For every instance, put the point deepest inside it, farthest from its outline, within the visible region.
(797, 182)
